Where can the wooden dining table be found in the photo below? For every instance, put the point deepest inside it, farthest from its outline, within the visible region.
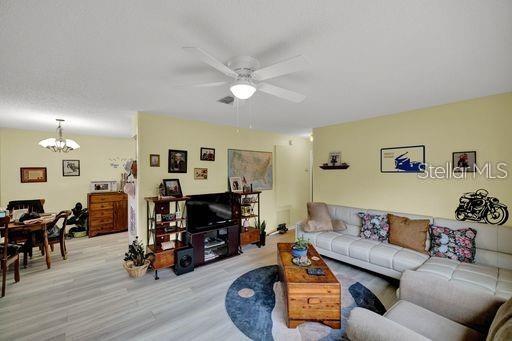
(29, 229)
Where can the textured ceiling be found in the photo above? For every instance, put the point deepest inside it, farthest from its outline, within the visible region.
(96, 62)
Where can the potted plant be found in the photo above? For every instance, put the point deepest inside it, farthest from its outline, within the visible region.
(300, 247)
(136, 261)
(263, 233)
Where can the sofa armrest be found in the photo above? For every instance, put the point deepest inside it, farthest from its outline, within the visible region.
(456, 301)
(365, 325)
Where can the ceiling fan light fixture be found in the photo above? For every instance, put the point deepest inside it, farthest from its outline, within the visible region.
(242, 89)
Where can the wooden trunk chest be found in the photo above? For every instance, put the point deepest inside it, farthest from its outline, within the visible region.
(307, 297)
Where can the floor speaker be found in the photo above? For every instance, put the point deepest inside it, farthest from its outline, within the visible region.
(184, 261)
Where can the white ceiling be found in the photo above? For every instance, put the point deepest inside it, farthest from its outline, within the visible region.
(96, 63)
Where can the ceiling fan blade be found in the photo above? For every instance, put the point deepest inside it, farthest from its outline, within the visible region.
(201, 85)
(210, 60)
(281, 92)
(293, 64)
(208, 85)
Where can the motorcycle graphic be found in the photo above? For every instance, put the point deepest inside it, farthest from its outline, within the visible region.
(479, 206)
(404, 163)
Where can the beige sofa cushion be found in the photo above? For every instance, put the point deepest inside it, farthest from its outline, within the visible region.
(501, 327)
(496, 281)
(429, 324)
(318, 218)
(408, 233)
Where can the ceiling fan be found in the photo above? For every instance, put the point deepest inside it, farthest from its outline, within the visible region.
(249, 76)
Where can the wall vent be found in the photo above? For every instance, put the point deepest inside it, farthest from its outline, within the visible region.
(227, 100)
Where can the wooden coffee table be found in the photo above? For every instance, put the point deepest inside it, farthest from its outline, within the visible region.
(308, 298)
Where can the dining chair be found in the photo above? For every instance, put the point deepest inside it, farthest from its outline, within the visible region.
(33, 205)
(21, 237)
(9, 254)
(56, 233)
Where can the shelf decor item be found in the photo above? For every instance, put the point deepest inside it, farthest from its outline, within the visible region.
(136, 260)
(235, 184)
(300, 248)
(33, 174)
(172, 187)
(334, 158)
(103, 186)
(409, 159)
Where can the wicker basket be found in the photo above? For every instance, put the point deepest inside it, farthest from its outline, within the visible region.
(136, 271)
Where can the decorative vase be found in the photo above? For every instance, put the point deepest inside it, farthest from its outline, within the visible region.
(136, 271)
(297, 253)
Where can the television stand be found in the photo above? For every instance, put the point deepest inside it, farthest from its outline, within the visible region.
(214, 244)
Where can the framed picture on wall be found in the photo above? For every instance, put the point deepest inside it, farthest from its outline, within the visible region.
(70, 167)
(464, 161)
(33, 174)
(200, 173)
(177, 161)
(154, 160)
(408, 159)
(207, 154)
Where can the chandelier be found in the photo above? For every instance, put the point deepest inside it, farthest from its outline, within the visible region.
(59, 144)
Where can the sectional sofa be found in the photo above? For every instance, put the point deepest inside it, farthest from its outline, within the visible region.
(492, 271)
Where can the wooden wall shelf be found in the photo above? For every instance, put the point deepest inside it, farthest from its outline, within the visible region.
(335, 167)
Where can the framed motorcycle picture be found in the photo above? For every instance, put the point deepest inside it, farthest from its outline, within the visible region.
(408, 159)
(464, 161)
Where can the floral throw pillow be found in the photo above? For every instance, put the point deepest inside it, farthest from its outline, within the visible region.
(454, 244)
(375, 226)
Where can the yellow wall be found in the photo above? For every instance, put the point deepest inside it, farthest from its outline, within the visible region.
(157, 134)
(482, 124)
(19, 148)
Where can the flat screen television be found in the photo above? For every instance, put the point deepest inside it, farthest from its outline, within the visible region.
(209, 211)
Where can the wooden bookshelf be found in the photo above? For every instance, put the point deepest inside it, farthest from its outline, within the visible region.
(161, 231)
(249, 215)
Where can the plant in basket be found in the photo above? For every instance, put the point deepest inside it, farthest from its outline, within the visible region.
(300, 247)
(136, 260)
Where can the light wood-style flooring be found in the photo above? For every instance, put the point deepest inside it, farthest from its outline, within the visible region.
(89, 296)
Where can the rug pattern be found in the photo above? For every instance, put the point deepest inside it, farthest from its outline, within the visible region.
(255, 304)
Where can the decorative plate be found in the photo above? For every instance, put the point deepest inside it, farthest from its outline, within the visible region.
(296, 261)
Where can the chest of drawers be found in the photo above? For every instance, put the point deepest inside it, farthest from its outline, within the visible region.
(108, 212)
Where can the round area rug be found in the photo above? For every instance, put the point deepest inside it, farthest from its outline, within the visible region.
(255, 304)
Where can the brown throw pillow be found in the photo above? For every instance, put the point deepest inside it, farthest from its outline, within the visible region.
(338, 225)
(408, 233)
(318, 218)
